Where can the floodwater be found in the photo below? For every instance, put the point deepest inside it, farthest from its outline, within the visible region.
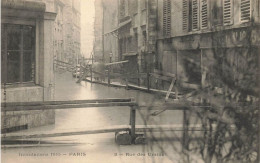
(97, 148)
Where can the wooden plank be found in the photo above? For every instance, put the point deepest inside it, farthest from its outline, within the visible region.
(158, 76)
(189, 85)
(37, 145)
(66, 106)
(66, 102)
(65, 132)
(132, 118)
(129, 76)
(99, 73)
(62, 62)
(115, 63)
(170, 89)
(117, 128)
(163, 73)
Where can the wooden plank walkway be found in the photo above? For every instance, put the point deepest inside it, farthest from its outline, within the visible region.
(112, 129)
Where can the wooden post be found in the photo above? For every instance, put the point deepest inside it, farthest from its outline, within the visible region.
(132, 119)
(258, 146)
(91, 70)
(126, 80)
(138, 78)
(108, 76)
(148, 81)
(185, 131)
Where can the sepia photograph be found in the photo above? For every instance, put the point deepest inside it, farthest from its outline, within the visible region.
(130, 81)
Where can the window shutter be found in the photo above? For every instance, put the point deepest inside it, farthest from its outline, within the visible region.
(167, 17)
(195, 20)
(204, 14)
(164, 17)
(227, 12)
(245, 10)
(185, 12)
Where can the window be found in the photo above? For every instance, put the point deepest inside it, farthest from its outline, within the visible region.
(122, 8)
(167, 18)
(245, 10)
(143, 17)
(144, 38)
(135, 20)
(190, 15)
(227, 12)
(17, 53)
(142, 4)
(217, 12)
(135, 40)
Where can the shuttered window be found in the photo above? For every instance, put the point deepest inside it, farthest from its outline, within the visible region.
(195, 15)
(227, 12)
(167, 18)
(204, 14)
(245, 10)
(185, 12)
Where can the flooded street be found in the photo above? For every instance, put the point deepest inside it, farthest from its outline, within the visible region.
(97, 147)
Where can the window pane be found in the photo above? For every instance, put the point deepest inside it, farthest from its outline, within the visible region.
(28, 38)
(13, 37)
(13, 66)
(28, 67)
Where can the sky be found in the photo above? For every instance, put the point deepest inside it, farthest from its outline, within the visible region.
(87, 26)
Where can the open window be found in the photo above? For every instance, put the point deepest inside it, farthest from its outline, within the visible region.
(217, 12)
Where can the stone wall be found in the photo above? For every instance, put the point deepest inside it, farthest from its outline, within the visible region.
(42, 89)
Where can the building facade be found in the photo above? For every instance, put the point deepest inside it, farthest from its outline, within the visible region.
(193, 32)
(110, 35)
(168, 35)
(27, 51)
(128, 29)
(67, 29)
(98, 31)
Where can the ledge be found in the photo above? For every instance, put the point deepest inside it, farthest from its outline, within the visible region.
(24, 5)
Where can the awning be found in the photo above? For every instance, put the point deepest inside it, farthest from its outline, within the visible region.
(119, 26)
(129, 54)
(124, 23)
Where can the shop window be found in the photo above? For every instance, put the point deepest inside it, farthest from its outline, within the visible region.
(167, 18)
(17, 53)
(245, 10)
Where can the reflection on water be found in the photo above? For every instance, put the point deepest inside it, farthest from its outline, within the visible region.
(67, 89)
